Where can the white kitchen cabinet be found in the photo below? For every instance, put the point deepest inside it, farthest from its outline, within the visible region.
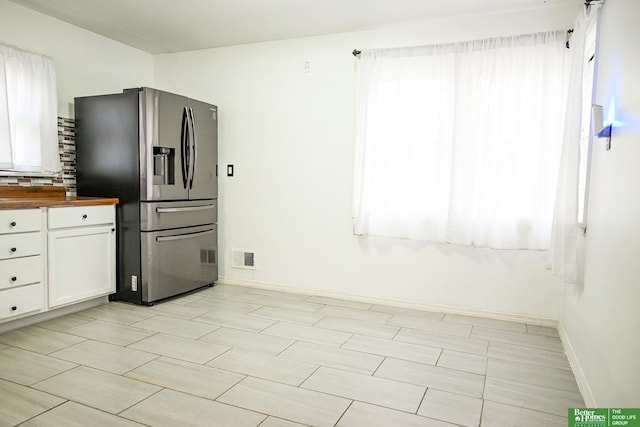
(21, 263)
(81, 253)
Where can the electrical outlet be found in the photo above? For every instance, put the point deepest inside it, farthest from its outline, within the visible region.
(134, 283)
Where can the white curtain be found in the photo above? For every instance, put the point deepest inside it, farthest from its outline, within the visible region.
(562, 257)
(461, 142)
(28, 112)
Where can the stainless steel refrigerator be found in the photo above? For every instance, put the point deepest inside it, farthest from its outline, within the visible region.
(157, 152)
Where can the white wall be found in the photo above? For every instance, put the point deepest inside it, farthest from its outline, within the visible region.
(290, 136)
(601, 317)
(86, 63)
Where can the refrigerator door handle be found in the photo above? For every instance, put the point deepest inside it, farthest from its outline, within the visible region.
(193, 149)
(185, 209)
(184, 140)
(183, 236)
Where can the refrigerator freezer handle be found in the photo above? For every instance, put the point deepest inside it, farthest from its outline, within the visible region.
(184, 140)
(185, 209)
(193, 148)
(183, 236)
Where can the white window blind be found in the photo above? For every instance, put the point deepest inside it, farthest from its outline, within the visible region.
(28, 112)
(461, 142)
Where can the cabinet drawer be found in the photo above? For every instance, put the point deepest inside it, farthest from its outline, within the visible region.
(20, 271)
(79, 216)
(19, 245)
(20, 220)
(17, 301)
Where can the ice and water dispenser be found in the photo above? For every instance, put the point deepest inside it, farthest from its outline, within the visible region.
(163, 166)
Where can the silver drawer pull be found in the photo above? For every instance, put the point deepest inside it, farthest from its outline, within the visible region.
(183, 236)
(185, 209)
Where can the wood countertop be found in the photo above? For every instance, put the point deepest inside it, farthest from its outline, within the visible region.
(18, 197)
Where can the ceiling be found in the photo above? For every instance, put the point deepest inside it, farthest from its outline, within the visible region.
(164, 26)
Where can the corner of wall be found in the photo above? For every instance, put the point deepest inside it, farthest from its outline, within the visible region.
(578, 372)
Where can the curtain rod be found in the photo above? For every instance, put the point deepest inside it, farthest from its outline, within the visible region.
(357, 52)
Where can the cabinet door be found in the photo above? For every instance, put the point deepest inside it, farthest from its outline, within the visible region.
(81, 264)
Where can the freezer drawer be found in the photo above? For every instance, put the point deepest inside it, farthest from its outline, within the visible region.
(177, 261)
(167, 215)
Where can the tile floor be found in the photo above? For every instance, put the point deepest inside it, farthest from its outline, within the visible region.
(237, 356)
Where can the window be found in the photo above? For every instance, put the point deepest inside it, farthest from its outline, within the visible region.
(461, 142)
(28, 112)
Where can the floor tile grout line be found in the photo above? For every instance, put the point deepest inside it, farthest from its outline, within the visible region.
(576, 391)
(481, 409)
(442, 333)
(373, 374)
(287, 347)
(523, 407)
(439, 356)
(162, 387)
(424, 395)
(119, 414)
(530, 365)
(484, 385)
(524, 347)
(435, 388)
(47, 410)
(124, 374)
(308, 376)
(344, 412)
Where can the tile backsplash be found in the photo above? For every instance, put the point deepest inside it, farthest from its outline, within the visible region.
(67, 149)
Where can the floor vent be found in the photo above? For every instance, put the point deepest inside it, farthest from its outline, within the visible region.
(241, 258)
(208, 256)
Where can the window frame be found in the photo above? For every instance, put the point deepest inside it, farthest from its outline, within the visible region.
(589, 80)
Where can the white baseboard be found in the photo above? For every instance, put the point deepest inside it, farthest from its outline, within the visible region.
(578, 373)
(538, 321)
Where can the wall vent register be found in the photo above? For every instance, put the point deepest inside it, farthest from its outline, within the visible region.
(241, 258)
